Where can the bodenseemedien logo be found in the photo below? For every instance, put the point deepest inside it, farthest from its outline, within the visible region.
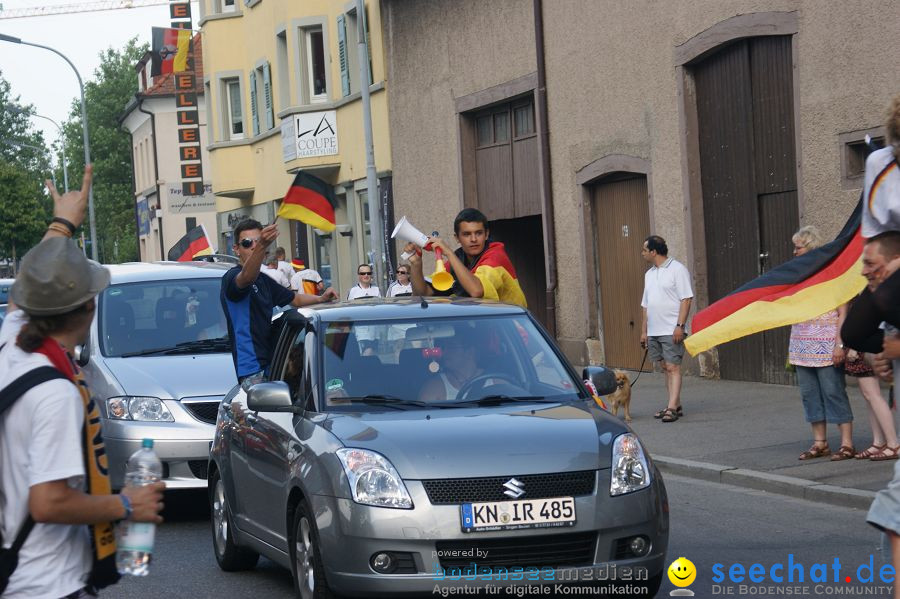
(682, 574)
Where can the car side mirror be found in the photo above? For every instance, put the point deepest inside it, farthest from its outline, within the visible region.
(604, 379)
(270, 397)
(82, 354)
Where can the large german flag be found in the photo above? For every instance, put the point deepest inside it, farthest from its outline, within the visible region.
(498, 277)
(170, 50)
(799, 289)
(195, 243)
(309, 200)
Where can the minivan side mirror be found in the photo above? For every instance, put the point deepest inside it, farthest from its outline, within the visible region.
(270, 397)
(82, 353)
(604, 379)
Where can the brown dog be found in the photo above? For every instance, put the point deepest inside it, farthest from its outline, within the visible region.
(622, 395)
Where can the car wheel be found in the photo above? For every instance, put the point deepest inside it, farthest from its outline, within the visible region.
(306, 565)
(229, 555)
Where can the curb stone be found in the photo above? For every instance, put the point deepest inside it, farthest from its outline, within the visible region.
(799, 488)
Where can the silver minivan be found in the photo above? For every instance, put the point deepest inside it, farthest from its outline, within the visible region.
(159, 362)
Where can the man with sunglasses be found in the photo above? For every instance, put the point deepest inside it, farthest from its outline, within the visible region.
(402, 286)
(248, 297)
(365, 288)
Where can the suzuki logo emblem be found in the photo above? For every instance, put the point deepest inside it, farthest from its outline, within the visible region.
(514, 488)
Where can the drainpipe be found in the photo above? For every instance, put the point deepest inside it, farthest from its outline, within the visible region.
(162, 249)
(549, 230)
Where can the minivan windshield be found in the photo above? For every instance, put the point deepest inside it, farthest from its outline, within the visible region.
(446, 363)
(171, 317)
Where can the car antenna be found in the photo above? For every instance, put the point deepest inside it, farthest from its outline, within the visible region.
(424, 304)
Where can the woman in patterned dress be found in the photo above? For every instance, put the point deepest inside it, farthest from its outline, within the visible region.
(817, 353)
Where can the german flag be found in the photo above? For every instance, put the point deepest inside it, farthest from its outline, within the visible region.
(497, 276)
(170, 50)
(800, 289)
(309, 200)
(195, 243)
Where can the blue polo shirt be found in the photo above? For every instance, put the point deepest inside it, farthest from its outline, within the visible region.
(249, 315)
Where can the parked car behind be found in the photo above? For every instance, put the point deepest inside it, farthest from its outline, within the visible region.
(5, 286)
(159, 362)
(372, 468)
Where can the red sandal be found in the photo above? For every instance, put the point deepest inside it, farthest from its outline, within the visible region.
(846, 452)
(815, 451)
(871, 452)
(888, 453)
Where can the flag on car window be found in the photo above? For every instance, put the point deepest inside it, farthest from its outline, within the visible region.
(800, 289)
(309, 200)
(170, 50)
(195, 243)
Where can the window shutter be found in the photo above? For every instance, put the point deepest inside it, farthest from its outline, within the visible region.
(254, 109)
(267, 87)
(342, 52)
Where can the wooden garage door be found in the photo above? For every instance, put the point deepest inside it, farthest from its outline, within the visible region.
(622, 222)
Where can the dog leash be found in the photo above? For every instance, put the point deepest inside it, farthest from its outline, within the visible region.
(641, 369)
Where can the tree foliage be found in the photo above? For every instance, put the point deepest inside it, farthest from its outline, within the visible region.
(25, 208)
(106, 95)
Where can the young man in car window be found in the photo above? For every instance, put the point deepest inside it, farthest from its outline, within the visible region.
(480, 266)
(248, 297)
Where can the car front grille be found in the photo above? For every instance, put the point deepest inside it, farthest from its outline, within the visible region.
(199, 468)
(544, 551)
(205, 411)
(537, 486)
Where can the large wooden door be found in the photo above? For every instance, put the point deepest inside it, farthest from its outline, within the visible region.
(622, 223)
(524, 241)
(748, 175)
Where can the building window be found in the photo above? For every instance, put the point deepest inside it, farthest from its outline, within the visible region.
(855, 148)
(314, 75)
(233, 110)
(348, 39)
(228, 5)
(261, 109)
(281, 63)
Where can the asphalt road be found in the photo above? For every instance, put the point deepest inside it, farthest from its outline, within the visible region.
(711, 524)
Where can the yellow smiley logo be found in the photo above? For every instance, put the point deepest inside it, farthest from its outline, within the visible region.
(682, 572)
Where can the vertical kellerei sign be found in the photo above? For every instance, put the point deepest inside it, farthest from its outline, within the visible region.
(188, 116)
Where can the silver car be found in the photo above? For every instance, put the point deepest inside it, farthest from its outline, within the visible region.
(403, 444)
(159, 362)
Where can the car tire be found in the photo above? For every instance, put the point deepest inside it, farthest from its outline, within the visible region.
(306, 560)
(229, 555)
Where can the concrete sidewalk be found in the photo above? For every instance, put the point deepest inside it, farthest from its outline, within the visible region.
(750, 434)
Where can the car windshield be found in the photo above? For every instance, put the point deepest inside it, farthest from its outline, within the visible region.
(443, 363)
(154, 318)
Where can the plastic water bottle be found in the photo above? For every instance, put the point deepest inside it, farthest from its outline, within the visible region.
(135, 544)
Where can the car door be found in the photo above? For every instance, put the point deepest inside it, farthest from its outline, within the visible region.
(271, 445)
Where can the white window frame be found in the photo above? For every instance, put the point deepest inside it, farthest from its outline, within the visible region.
(226, 80)
(308, 49)
(226, 7)
(302, 58)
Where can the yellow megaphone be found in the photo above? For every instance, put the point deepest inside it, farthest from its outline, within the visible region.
(441, 279)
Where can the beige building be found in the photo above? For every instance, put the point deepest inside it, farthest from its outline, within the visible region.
(721, 126)
(164, 213)
(283, 95)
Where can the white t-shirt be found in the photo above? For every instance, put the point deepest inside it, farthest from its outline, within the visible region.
(664, 288)
(396, 289)
(40, 441)
(276, 275)
(881, 212)
(286, 269)
(307, 274)
(357, 292)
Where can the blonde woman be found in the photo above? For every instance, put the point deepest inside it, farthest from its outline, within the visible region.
(817, 353)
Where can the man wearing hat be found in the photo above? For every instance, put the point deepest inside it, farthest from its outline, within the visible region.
(53, 483)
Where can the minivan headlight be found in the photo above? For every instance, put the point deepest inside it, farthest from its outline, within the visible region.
(373, 480)
(129, 407)
(629, 466)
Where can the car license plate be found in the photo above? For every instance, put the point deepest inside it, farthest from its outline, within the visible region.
(524, 513)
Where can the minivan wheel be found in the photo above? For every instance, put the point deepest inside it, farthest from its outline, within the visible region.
(309, 575)
(229, 555)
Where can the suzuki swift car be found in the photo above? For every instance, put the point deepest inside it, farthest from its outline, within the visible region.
(402, 444)
(159, 362)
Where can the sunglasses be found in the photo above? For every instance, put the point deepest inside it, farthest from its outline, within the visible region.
(247, 242)
(402, 272)
(365, 273)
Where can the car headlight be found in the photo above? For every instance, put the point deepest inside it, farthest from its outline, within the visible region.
(629, 466)
(128, 407)
(373, 480)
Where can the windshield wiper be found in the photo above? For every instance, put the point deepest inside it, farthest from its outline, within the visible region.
(387, 400)
(499, 399)
(187, 347)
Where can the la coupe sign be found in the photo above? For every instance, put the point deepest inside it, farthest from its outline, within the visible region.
(316, 134)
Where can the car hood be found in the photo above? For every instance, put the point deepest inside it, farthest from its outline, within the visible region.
(174, 377)
(497, 441)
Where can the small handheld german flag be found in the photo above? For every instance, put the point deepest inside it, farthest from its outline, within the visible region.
(195, 243)
(800, 289)
(170, 50)
(309, 200)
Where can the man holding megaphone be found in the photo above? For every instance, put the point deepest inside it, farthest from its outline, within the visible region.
(480, 266)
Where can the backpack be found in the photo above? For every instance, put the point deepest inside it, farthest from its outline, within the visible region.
(9, 557)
